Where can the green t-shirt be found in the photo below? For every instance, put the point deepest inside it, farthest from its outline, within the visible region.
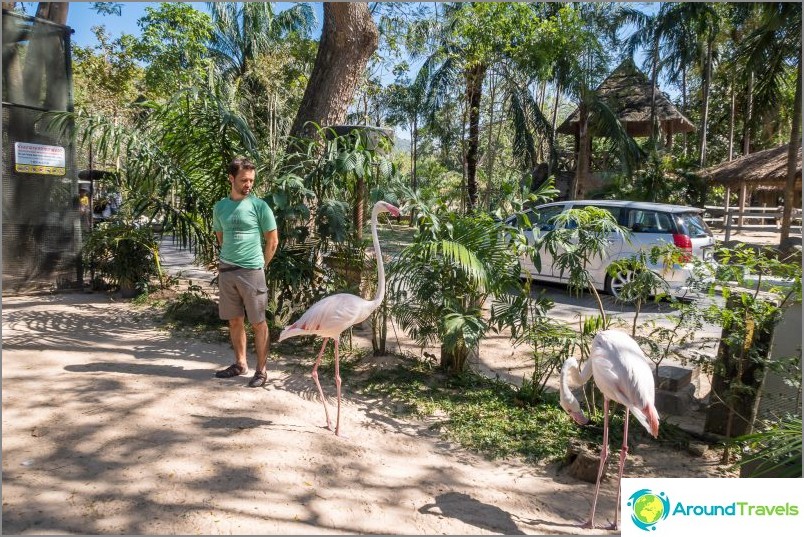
(243, 224)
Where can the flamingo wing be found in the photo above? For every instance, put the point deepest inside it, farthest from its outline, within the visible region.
(622, 373)
(330, 316)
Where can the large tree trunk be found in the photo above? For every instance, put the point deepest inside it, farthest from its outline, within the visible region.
(474, 92)
(348, 39)
(578, 188)
(792, 162)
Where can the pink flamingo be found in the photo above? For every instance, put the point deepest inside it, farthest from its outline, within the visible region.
(332, 315)
(623, 375)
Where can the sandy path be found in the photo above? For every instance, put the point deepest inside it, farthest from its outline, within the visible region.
(113, 426)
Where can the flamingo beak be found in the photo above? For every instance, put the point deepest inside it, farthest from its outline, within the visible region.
(579, 418)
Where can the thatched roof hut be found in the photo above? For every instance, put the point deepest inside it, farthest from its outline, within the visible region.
(758, 178)
(628, 92)
(763, 170)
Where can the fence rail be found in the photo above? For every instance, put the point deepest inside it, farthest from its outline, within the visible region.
(767, 219)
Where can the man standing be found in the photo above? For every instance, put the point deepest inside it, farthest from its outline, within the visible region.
(242, 223)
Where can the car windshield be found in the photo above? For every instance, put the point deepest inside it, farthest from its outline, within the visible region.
(695, 225)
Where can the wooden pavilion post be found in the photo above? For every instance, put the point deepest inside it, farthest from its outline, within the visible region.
(741, 203)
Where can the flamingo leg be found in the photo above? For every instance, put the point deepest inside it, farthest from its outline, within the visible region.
(604, 455)
(318, 384)
(623, 455)
(338, 388)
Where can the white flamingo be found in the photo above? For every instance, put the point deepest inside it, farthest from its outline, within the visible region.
(334, 314)
(622, 373)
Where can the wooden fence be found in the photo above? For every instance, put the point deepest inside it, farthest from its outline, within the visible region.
(767, 219)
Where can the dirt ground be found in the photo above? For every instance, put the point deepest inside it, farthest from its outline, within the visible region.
(112, 425)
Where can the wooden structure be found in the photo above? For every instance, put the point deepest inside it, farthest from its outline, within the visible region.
(628, 92)
(759, 178)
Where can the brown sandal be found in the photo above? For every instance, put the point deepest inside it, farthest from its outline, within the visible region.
(233, 370)
(258, 380)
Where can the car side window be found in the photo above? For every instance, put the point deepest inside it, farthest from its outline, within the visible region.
(542, 220)
(614, 211)
(644, 221)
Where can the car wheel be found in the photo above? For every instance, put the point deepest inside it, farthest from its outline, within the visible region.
(615, 283)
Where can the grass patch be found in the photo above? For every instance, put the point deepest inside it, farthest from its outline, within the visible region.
(491, 417)
(195, 313)
(481, 414)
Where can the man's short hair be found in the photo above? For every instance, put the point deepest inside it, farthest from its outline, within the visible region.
(240, 163)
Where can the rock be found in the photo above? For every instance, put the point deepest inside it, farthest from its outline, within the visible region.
(673, 378)
(676, 403)
(583, 462)
(697, 449)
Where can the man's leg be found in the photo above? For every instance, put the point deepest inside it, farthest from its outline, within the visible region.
(261, 344)
(237, 334)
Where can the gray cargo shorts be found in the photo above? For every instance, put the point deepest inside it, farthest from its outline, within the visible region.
(242, 292)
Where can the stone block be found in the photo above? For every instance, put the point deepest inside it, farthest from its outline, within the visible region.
(676, 403)
(583, 463)
(673, 378)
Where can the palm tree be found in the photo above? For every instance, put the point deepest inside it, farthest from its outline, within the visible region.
(770, 52)
(246, 33)
(705, 22)
(677, 50)
(244, 30)
(441, 281)
(471, 41)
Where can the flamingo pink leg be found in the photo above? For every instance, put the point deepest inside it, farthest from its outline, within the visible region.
(604, 455)
(623, 455)
(338, 388)
(318, 384)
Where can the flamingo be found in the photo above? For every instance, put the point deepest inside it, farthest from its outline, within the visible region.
(334, 314)
(622, 374)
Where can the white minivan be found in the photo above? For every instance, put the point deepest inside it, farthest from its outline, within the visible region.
(650, 224)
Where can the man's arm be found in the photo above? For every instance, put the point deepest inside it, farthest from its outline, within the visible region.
(271, 243)
(219, 238)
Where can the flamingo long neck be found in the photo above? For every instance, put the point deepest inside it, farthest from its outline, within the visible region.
(571, 377)
(380, 267)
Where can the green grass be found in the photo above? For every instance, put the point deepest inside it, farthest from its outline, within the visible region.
(196, 314)
(490, 417)
(481, 414)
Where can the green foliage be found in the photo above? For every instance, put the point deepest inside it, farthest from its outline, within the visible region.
(440, 282)
(314, 200)
(106, 77)
(664, 178)
(773, 452)
(194, 309)
(174, 46)
(123, 253)
(173, 160)
(552, 341)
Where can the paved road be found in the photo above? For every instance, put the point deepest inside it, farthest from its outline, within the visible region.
(568, 305)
